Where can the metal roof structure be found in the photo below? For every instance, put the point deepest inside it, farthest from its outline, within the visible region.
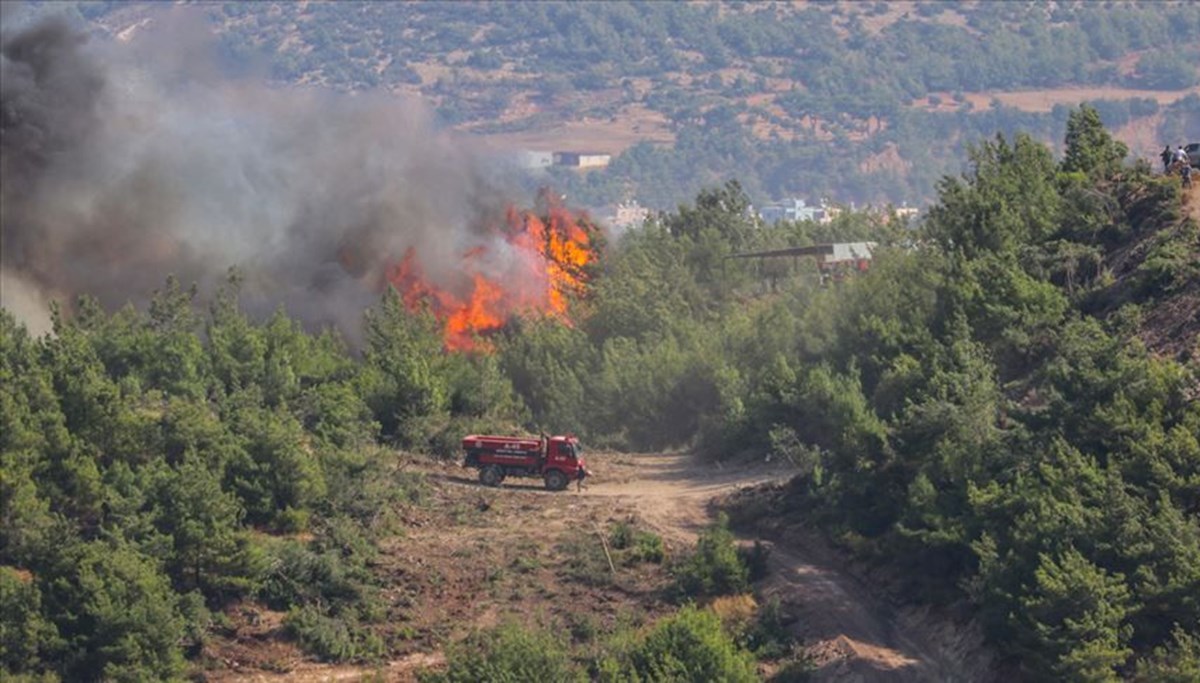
(828, 253)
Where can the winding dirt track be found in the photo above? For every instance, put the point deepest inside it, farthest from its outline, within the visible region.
(851, 634)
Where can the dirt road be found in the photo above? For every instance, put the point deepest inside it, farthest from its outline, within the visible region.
(472, 557)
(852, 634)
(672, 492)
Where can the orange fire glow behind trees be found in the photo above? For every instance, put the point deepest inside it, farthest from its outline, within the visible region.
(553, 255)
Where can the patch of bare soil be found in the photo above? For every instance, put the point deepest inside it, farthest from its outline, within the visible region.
(1045, 100)
(854, 633)
(1172, 327)
(634, 124)
(475, 557)
(887, 160)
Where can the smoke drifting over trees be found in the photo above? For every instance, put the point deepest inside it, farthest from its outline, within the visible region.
(125, 162)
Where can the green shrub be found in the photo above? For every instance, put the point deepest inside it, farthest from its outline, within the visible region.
(47, 677)
(1170, 265)
(26, 637)
(583, 626)
(715, 568)
(768, 637)
(687, 647)
(648, 547)
(634, 545)
(117, 613)
(621, 536)
(526, 564)
(332, 639)
(1177, 662)
(291, 520)
(368, 486)
(508, 653)
(302, 575)
(585, 560)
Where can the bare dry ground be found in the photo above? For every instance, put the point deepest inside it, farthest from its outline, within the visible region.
(634, 124)
(1172, 328)
(1045, 100)
(475, 557)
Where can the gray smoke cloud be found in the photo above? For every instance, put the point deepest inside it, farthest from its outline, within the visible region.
(123, 162)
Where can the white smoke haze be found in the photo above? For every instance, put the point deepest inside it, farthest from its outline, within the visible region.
(124, 162)
(27, 302)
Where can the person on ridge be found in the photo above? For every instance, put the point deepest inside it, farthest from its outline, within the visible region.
(1181, 157)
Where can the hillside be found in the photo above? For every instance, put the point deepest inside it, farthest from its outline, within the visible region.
(474, 558)
(980, 458)
(1171, 326)
(264, 318)
(689, 95)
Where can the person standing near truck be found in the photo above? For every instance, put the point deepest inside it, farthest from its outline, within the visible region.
(583, 473)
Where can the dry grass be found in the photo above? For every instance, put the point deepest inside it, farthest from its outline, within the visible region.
(634, 124)
(735, 611)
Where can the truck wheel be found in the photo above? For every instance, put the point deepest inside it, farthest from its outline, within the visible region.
(491, 476)
(555, 480)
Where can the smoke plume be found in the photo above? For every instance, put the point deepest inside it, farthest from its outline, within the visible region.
(124, 162)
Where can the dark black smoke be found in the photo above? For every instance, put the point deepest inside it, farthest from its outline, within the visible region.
(124, 162)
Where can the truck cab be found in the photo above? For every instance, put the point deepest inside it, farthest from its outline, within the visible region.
(1193, 152)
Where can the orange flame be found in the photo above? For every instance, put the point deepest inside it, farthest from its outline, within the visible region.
(554, 254)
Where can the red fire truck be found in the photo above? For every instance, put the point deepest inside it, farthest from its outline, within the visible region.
(558, 460)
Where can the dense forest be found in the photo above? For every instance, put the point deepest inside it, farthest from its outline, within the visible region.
(977, 412)
(785, 98)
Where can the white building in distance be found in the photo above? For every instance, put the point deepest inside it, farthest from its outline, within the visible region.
(582, 159)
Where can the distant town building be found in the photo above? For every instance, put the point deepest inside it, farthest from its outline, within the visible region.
(835, 261)
(533, 160)
(582, 159)
(858, 253)
(792, 209)
(628, 215)
(905, 212)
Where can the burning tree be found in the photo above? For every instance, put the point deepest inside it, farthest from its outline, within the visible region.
(549, 259)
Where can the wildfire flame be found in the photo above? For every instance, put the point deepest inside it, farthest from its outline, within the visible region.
(553, 253)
